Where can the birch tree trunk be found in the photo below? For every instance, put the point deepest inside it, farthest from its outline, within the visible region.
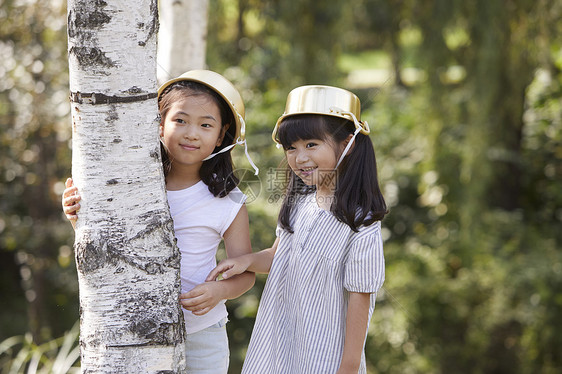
(126, 257)
(182, 38)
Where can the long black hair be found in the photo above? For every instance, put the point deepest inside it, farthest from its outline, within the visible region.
(358, 198)
(217, 172)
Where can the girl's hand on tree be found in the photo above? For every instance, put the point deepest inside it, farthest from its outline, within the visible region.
(202, 298)
(229, 268)
(70, 201)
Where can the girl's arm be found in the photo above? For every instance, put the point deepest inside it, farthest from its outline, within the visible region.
(356, 324)
(206, 296)
(258, 262)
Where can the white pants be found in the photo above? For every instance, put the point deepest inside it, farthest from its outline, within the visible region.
(207, 350)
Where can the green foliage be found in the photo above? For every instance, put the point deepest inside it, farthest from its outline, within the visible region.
(37, 283)
(271, 40)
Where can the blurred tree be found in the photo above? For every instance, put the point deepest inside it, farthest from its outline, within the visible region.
(376, 26)
(37, 281)
(182, 37)
(126, 257)
(463, 224)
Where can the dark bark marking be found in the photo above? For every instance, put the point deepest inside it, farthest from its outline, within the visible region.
(89, 56)
(83, 20)
(168, 225)
(154, 223)
(134, 90)
(146, 320)
(153, 268)
(167, 334)
(154, 11)
(111, 182)
(144, 327)
(152, 28)
(112, 115)
(156, 332)
(80, 20)
(90, 255)
(93, 254)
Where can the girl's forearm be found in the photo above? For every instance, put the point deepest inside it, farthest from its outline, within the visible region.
(357, 321)
(260, 262)
(237, 285)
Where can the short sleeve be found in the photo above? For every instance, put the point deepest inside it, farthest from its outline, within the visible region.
(231, 205)
(364, 268)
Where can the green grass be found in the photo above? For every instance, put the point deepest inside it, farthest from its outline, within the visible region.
(19, 354)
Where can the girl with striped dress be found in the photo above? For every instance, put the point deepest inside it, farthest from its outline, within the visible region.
(326, 264)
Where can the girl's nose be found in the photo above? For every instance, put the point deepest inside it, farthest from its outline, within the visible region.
(191, 132)
(301, 157)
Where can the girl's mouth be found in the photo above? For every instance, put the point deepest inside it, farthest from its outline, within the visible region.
(189, 147)
(307, 171)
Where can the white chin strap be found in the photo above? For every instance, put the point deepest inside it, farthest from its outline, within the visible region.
(228, 148)
(238, 142)
(347, 147)
(358, 128)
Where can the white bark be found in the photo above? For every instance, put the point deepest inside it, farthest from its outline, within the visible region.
(126, 258)
(182, 38)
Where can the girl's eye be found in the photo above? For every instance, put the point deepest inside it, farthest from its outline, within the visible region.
(290, 148)
(179, 120)
(206, 125)
(311, 144)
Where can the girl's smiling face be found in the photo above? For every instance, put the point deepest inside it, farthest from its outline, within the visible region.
(191, 130)
(314, 161)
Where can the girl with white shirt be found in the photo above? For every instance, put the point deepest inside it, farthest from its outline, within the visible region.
(202, 118)
(327, 263)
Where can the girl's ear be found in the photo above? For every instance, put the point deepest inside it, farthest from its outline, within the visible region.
(161, 129)
(223, 132)
(345, 143)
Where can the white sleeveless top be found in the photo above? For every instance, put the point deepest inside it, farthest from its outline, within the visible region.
(200, 221)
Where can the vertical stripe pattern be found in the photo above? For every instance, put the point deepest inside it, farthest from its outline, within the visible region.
(300, 326)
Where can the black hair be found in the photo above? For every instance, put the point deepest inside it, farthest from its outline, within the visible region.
(217, 172)
(358, 198)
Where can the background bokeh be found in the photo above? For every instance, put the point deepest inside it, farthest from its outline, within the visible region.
(464, 99)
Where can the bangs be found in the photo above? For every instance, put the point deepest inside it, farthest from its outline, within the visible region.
(183, 89)
(301, 127)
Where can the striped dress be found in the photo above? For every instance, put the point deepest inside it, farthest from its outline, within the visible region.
(300, 325)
